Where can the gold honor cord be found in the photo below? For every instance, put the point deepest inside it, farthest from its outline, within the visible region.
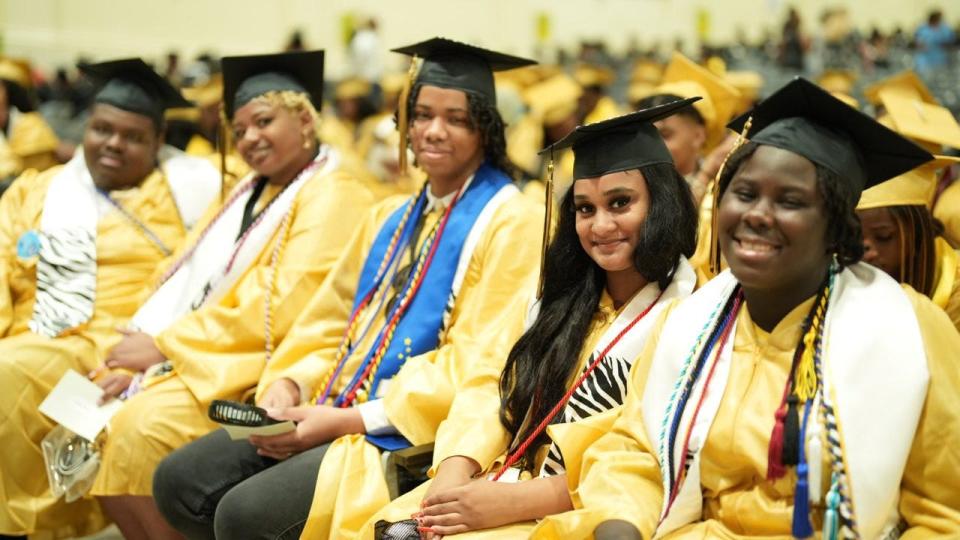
(547, 222)
(715, 191)
(403, 113)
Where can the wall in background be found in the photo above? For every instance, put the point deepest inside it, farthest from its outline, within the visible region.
(55, 32)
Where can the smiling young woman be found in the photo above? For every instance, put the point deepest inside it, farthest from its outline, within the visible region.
(384, 344)
(211, 322)
(625, 227)
(753, 410)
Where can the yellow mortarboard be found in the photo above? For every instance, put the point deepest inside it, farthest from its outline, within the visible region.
(716, 65)
(687, 79)
(837, 81)
(913, 188)
(905, 84)
(588, 75)
(848, 99)
(392, 83)
(206, 94)
(929, 124)
(749, 84)
(525, 77)
(554, 99)
(352, 88)
(183, 114)
(648, 71)
(639, 90)
(16, 70)
(16, 74)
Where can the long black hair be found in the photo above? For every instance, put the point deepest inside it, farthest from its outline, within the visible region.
(484, 118)
(543, 360)
(840, 197)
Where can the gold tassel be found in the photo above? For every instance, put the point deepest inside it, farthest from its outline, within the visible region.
(403, 116)
(714, 190)
(222, 150)
(547, 223)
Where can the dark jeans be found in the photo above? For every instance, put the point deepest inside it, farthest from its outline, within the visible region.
(218, 488)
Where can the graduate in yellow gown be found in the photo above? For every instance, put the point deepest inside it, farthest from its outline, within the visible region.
(901, 236)
(698, 139)
(123, 203)
(730, 431)
(552, 114)
(604, 284)
(208, 329)
(595, 105)
(390, 337)
(26, 141)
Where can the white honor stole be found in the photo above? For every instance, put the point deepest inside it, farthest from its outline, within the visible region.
(67, 264)
(618, 361)
(209, 268)
(875, 378)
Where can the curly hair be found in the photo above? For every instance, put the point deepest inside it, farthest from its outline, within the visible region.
(484, 118)
(539, 366)
(840, 197)
(295, 102)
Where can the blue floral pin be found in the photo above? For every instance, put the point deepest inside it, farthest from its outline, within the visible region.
(28, 245)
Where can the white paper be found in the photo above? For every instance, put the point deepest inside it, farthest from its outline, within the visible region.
(242, 432)
(73, 404)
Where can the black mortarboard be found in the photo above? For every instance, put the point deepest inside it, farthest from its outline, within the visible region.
(623, 143)
(249, 77)
(131, 85)
(451, 64)
(803, 118)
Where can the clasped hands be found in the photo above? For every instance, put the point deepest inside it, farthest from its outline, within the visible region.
(136, 352)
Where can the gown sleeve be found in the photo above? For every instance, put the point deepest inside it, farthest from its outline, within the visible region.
(307, 351)
(420, 396)
(219, 350)
(929, 497)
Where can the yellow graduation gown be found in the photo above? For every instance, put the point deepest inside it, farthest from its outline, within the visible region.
(30, 365)
(946, 293)
(350, 483)
(621, 478)
(947, 210)
(31, 144)
(473, 430)
(218, 351)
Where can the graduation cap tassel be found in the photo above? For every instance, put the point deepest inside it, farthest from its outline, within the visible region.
(222, 150)
(403, 114)
(547, 222)
(715, 192)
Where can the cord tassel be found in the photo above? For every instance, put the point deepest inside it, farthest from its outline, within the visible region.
(802, 528)
(790, 455)
(831, 518)
(775, 468)
(815, 464)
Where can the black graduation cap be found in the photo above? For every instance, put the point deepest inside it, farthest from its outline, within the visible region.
(803, 118)
(130, 84)
(623, 143)
(249, 77)
(452, 64)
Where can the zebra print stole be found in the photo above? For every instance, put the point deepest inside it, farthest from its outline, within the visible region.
(67, 263)
(606, 387)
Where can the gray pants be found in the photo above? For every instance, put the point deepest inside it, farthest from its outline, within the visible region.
(218, 488)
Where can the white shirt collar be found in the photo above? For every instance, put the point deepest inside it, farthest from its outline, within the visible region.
(442, 202)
